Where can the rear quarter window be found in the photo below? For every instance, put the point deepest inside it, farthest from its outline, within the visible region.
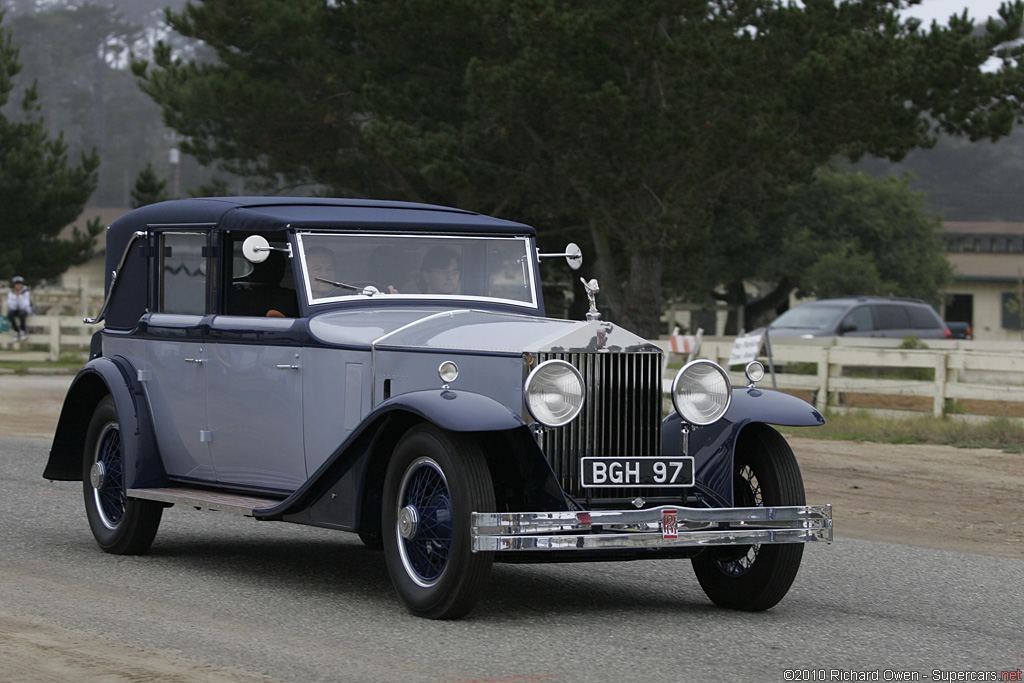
(922, 318)
(891, 317)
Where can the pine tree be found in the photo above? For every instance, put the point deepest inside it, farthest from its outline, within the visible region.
(40, 192)
(149, 189)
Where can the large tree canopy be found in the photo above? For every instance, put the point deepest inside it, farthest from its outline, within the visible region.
(40, 192)
(849, 234)
(664, 131)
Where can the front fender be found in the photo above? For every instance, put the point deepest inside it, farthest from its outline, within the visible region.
(456, 411)
(101, 376)
(772, 407)
(714, 446)
(345, 491)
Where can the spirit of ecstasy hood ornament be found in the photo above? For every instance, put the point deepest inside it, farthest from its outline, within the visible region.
(592, 290)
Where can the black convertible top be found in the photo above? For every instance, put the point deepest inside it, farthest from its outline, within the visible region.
(276, 213)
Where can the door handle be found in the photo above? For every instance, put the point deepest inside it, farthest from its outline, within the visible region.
(197, 361)
(288, 367)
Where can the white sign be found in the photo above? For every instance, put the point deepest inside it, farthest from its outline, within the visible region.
(745, 349)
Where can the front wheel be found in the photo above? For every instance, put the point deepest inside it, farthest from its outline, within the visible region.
(435, 480)
(756, 577)
(120, 525)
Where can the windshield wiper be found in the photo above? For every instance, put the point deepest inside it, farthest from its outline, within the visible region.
(366, 290)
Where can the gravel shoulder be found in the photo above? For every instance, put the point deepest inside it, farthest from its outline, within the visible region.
(966, 500)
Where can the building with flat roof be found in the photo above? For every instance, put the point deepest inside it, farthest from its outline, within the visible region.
(988, 279)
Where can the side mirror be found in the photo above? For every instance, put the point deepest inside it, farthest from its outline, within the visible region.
(256, 249)
(573, 255)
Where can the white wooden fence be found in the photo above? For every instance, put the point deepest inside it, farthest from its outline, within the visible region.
(58, 333)
(963, 370)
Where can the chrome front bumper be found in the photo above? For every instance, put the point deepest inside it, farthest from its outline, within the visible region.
(660, 527)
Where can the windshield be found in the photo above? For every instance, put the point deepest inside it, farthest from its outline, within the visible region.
(341, 267)
(810, 316)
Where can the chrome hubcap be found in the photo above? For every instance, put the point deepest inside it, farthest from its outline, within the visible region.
(97, 475)
(408, 521)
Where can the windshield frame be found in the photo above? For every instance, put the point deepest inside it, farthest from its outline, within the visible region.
(305, 242)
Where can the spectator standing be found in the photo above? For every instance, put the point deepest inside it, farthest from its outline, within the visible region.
(19, 307)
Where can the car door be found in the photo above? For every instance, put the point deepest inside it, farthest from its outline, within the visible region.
(858, 322)
(255, 371)
(254, 402)
(176, 354)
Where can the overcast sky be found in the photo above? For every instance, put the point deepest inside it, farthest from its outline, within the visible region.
(941, 10)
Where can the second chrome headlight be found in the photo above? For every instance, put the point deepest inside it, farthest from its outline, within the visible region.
(554, 393)
(701, 392)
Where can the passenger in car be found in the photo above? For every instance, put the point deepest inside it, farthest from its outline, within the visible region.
(440, 272)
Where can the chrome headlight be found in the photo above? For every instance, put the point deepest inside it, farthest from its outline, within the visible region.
(554, 393)
(701, 392)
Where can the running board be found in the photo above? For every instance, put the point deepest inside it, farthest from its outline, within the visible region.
(206, 500)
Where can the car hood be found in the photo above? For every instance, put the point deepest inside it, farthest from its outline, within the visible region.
(473, 330)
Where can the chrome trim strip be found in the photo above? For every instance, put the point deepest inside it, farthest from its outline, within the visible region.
(113, 279)
(625, 529)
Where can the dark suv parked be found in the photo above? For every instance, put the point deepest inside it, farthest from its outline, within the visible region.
(865, 316)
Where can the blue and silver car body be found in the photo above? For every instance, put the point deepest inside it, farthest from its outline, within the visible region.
(454, 426)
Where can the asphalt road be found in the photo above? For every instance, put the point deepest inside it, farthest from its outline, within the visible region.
(229, 595)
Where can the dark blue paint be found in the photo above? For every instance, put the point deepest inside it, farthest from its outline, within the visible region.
(140, 457)
(714, 446)
(457, 411)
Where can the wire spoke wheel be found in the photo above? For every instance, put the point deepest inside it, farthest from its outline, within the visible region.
(107, 471)
(425, 495)
(435, 481)
(120, 525)
(756, 577)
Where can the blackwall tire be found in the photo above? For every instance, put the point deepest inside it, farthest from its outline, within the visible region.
(434, 481)
(755, 578)
(120, 525)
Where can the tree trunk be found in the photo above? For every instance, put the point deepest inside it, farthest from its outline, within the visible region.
(736, 297)
(643, 302)
(756, 313)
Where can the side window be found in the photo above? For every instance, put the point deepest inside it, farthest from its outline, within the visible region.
(182, 273)
(891, 317)
(858, 320)
(261, 289)
(922, 318)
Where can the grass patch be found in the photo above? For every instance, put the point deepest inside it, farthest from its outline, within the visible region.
(998, 433)
(65, 362)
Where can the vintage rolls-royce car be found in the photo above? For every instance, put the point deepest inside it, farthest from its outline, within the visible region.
(387, 369)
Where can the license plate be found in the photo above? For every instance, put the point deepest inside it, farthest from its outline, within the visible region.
(601, 472)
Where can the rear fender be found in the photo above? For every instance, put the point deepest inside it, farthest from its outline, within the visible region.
(99, 377)
(713, 447)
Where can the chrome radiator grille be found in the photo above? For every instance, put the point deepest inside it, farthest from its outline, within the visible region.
(621, 416)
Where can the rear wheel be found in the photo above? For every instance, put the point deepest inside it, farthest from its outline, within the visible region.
(120, 525)
(756, 577)
(435, 480)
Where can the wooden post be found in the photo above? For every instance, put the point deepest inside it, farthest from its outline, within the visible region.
(54, 336)
(939, 403)
(824, 363)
